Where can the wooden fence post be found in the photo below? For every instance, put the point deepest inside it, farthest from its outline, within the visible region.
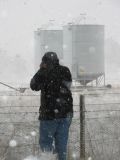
(82, 127)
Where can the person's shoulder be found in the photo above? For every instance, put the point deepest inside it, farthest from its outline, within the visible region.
(64, 68)
(65, 73)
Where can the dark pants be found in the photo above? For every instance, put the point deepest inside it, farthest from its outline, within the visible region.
(54, 136)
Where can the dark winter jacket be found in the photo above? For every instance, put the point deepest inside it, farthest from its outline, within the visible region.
(56, 97)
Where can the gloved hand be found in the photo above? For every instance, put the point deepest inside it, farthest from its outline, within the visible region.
(43, 65)
(48, 66)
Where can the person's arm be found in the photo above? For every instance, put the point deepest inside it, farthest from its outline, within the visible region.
(38, 80)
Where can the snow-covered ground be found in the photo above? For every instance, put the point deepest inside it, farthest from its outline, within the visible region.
(19, 125)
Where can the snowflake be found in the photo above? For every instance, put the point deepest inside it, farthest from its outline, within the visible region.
(74, 155)
(56, 111)
(64, 46)
(12, 143)
(31, 158)
(58, 99)
(33, 133)
(112, 113)
(49, 135)
(27, 137)
(68, 99)
(89, 158)
(46, 47)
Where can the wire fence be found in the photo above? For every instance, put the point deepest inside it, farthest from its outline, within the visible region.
(19, 133)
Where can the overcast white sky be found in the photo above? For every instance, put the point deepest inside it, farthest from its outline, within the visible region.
(19, 19)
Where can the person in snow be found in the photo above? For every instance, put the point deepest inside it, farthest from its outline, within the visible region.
(56, 109)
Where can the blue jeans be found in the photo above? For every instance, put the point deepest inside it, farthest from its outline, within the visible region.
(54, 136)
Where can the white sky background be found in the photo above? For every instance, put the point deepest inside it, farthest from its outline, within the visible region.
(20, 18)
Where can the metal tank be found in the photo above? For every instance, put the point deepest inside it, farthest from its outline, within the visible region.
(84, 51)
(47, 40)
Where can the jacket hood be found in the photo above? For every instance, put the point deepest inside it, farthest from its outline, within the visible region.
(50, 57)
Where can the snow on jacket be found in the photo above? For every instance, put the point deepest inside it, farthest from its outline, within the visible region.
(56, 97)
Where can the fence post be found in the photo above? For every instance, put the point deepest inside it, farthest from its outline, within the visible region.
(82, 127)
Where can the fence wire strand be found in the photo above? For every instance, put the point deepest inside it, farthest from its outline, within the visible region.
(102, 124)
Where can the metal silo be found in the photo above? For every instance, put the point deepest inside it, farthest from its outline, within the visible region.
(84, 53)
(47, 40)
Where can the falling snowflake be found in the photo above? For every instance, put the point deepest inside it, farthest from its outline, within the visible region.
(49, 135)
(12, 143)
(58, 99)
(46, 47)
(74, 155)
(68, 99)
(90, 158)
(27, 137)
(64, 46)
(33, 133)
(112, 113)
(31, 158)
(56, 111)
(61, 62)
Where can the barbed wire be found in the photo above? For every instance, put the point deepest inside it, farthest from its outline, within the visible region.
(118, 103)
(19, 112)
(90, 139)
(20, 95)
(86, 94)
(37, 112)
(97, 94)
(103, 110)
(20, 106)
(80, 93)
(19, 123)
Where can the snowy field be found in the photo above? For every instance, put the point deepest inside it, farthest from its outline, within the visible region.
(19, 125)
(102, 124)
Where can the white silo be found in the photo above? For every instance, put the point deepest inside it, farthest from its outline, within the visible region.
(84, 53)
